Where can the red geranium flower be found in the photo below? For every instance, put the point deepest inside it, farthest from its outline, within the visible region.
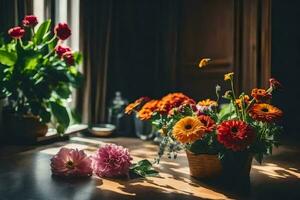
(60, 50)
(62, 31)
(235, 134)
(16, 32)
(30, 21)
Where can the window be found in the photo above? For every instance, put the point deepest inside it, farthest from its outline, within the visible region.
(60, 11)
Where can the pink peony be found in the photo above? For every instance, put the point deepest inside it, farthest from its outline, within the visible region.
(111, 160)
(71, 162)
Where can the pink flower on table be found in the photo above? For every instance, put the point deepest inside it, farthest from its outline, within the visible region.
(71, 162)
(111, 161)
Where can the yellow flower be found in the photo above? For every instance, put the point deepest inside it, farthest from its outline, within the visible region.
(239, 102)
(188, 130)
(228, 76)
(207, 102)
(204, 62)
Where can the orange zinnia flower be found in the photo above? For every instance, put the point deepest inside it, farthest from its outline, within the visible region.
(188, 130)
(208, 123)
(173, 100)
(265, 112)
(148, 109)
(260, 94)
(207, 103)
(240, 100)
(131, 107)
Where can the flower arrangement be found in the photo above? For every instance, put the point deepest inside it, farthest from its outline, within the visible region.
(109, 161)
(37, 71)
(242, 125)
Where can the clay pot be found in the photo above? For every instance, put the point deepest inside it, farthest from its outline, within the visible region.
(24, 127)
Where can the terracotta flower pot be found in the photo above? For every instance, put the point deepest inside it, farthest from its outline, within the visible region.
(27, 127)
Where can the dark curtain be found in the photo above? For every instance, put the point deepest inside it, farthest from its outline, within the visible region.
(143, 48)
(95, 27)
(12, 12)
(128, 46)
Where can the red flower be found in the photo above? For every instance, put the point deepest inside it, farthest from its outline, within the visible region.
(30, 21)
(16, 32)
(69, 58)
(274, 83)
(235, 134)
(62, 31)
(60, 50)
(208, 122)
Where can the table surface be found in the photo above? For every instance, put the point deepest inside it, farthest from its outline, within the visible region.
(25, 174)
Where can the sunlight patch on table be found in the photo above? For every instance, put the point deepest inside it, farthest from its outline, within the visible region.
(275, 171)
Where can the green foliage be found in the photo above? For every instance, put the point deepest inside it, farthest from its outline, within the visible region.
(35, 80)
(207, 145)
(266, 137)
(42, 32)
(143, 168)
(227, 112)
(61, 115)
(7, 58)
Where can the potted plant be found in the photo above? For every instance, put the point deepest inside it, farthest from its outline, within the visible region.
(219, 141)
(37, 74)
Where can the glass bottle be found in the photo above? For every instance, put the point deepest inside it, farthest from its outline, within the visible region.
(116, 113)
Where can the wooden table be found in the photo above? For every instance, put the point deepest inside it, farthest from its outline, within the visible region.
(26, 175)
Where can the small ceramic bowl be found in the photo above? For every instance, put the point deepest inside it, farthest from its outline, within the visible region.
(102, 130)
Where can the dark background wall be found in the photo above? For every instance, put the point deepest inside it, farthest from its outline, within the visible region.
(286, 60)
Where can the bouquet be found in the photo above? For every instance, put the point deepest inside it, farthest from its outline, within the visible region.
(243, 124)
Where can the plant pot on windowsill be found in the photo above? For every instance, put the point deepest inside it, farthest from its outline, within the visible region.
(232, 169)
(23, 128)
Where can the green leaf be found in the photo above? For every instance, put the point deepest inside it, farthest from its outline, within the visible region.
(52, 44)
(143, 168)
(77, 57)
(226, 112)
(31, 63)
(63, 91)
(42, 30)
(45, 116)
(61, 114)
(7, 58)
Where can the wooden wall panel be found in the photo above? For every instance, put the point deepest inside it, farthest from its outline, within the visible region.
(235, 34)
(206, 30)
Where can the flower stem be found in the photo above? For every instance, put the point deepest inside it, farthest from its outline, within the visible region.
(234, 98)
